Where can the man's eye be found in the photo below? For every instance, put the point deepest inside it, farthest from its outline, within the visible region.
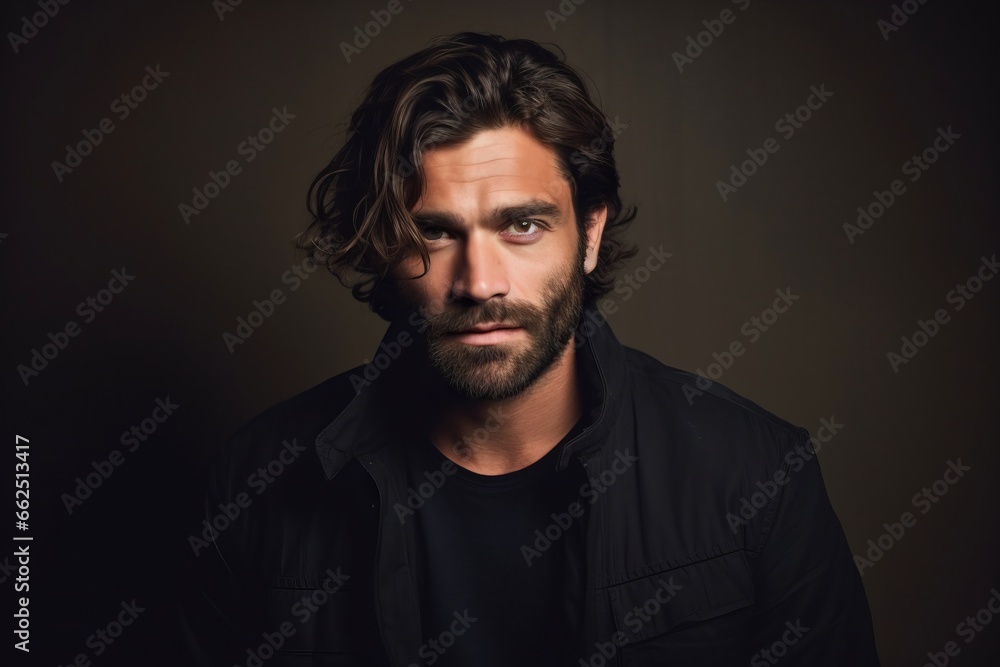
(433, 233)
(524, 227)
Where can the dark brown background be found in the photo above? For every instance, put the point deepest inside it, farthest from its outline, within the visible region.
(825, 357)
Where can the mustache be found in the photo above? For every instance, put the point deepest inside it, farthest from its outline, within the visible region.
(460, 318)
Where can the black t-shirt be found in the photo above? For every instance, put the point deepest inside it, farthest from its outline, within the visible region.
(493, 592)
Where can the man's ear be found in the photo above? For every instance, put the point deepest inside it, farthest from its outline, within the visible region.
(595, 230)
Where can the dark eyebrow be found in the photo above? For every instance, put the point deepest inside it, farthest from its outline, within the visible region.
(527, 209)
(436, 219)
(533, 208)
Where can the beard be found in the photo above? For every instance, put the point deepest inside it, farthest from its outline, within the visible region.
(502, 371)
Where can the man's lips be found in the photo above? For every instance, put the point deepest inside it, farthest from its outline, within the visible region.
(487, 334)
(485, 327)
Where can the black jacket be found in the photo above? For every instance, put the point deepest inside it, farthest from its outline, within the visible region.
(710, 540)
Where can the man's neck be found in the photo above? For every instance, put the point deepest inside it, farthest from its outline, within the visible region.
(497, 437)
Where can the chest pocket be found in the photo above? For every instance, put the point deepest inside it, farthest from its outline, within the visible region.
(303, 623)
(697, 610)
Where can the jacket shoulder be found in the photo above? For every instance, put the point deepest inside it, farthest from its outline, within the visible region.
(315, 406)
(291, 424)
(706, 404)
(697, 429)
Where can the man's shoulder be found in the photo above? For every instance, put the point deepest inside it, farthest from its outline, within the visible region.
(707, 409)
(293, 422)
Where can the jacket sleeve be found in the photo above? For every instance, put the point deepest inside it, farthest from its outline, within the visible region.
(810, 602)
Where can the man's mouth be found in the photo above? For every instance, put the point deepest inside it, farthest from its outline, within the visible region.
(487, 333)
(484, 327)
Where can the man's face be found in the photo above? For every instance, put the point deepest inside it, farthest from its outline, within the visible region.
(504, 289)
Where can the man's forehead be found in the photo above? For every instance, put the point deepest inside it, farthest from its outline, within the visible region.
(500, 160)
(491, 144)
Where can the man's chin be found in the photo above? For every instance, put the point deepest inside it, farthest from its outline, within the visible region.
(494, 372)
(478, 371)
(488, 388)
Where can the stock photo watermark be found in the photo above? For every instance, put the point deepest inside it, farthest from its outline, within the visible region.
(131, 439)
(248, 149)
(752, 329)
(22, 617)
(927, 329)
(914, 168)
(302, 610)
(386, 353)
(432, 650)
(561, 13)
(714, 28)
(32, 23)
(898, 17)
(786, 126)
(103, 638)
(223, 7)
(639, 615)
(635, 619)
(795, 460)
(363, 35)
(598, 144)
(259, 480)
(625, 288)
(968, 630)
(122, 106)
(779, 648)
(417, 497)
(264, 308)
(59, 341)
(590, 490)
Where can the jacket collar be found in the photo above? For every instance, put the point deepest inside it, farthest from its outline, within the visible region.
(370, 421)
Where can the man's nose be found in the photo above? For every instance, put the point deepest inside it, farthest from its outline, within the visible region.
(481, 273)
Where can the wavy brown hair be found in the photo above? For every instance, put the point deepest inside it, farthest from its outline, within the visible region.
(442, 95)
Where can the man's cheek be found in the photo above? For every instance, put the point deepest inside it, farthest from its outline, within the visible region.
(434, 304)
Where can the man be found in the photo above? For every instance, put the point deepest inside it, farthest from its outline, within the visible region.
(505, 483)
